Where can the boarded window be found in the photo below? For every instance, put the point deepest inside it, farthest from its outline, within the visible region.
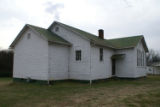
(78, 55)
(101, 54)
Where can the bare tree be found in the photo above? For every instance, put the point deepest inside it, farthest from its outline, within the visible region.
(153, 56)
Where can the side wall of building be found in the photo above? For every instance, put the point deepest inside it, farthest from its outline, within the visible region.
(141, 71)
(125, 67)
(58, 62)
(31, 57)
(79, 70)
(101, 69)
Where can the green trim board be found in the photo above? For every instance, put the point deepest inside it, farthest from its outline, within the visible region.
(23, 80)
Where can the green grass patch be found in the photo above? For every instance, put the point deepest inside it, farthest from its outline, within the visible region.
(110, 92)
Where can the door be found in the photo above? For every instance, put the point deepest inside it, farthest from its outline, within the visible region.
(113, 67)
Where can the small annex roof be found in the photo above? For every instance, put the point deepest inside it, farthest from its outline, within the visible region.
(118, 43)
(128, 42)
(117, 56)
(50, 36)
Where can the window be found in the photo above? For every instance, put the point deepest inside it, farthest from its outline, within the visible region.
(78, 55)
(57, 29)
(28, 36)
(140, 58)
(144, 58)
(137, 58)
(101, 54)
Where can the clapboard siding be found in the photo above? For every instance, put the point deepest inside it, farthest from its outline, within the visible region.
(58, 62)
(101, 69)
(125, 67)
(77, 69)
(140, 70)
(31, 57)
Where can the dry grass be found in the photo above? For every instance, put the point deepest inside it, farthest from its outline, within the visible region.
(112, 93)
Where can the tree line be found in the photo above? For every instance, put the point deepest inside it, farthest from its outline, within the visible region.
(152, 56)
(6, 63)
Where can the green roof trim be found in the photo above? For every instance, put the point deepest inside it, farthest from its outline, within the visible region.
(50, 36)
(118, 43)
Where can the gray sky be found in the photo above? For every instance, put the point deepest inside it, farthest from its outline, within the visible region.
(118, 18)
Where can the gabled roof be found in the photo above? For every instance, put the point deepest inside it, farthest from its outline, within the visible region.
(128, 42)
(48, 35)
(87, 35)
(118, 43)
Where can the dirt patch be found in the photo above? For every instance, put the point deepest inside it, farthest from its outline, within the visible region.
(108, 96)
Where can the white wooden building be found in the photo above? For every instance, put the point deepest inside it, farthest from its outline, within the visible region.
(64, 52)
(154, 68)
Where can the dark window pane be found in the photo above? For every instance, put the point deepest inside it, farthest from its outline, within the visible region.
(101, 54)
(78, 55)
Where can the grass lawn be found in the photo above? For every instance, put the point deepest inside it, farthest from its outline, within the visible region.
(113, 92)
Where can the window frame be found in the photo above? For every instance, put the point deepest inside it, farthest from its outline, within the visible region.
(56, 29)
(78, 55)
(101, 54)
(140, 58)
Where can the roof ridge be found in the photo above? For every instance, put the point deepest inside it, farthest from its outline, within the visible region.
(96, 35)
(126, 37)
(76, 28)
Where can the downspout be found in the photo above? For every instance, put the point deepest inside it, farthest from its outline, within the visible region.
(90, 68)
(68, 62)
(48, 82)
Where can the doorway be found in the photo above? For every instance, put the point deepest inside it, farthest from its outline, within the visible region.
(113, 67)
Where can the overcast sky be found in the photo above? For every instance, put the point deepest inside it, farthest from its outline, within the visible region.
(118, 18)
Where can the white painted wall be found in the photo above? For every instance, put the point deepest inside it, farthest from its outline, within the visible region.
(31, 57)
(101, 69)
(125, 67)
(153, 70)
(140, 70)
(36, 59)
(79, 70)
(58, 62)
